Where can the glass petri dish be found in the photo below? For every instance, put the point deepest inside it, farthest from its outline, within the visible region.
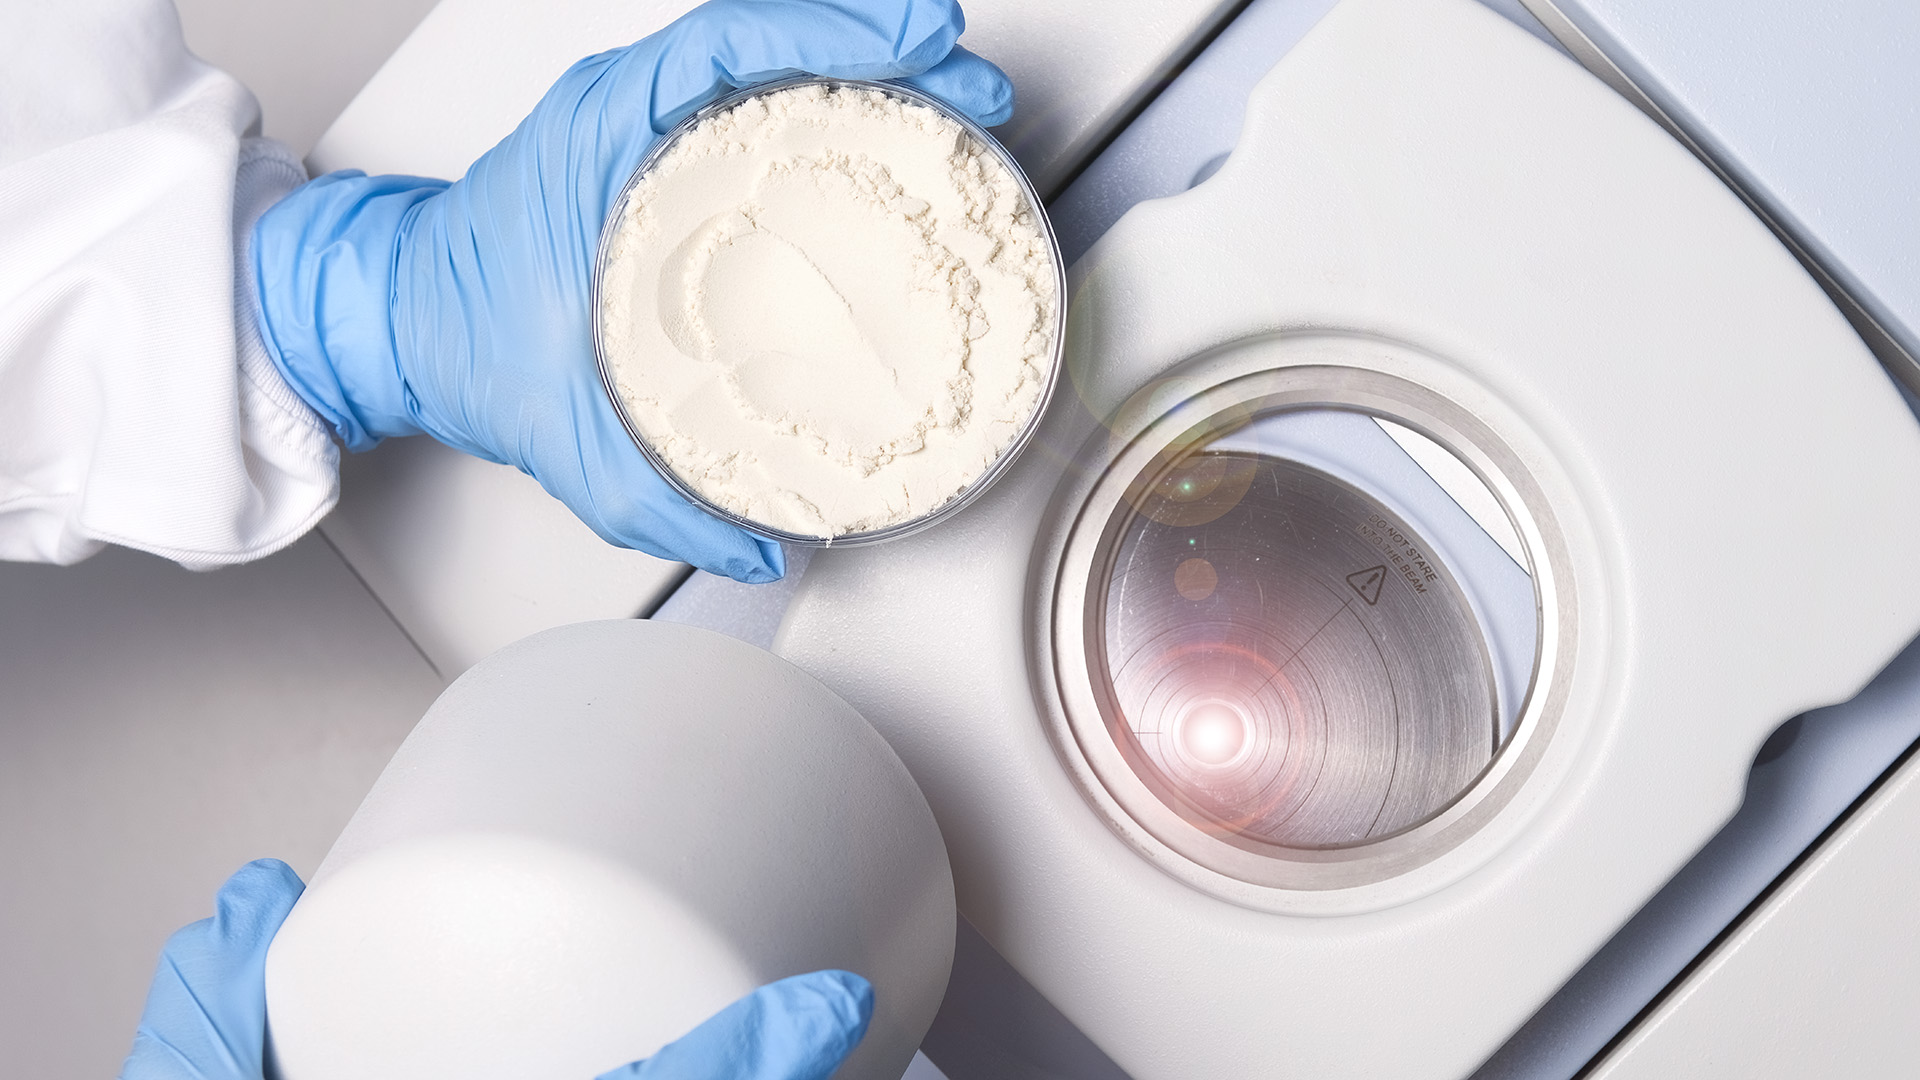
(974, 487)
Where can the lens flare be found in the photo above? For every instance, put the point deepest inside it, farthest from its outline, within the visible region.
(1212, 733)
(1195, 579)
(1195, 490)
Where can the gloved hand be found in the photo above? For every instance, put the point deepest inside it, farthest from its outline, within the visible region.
(395, 305)
(206, 1016)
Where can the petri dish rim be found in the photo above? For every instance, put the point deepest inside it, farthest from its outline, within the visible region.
(1000, 465)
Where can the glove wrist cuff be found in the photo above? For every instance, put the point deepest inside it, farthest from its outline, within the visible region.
(324, 260)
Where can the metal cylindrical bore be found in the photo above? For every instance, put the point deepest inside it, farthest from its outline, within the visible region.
(1164, 714)
(1280, 658)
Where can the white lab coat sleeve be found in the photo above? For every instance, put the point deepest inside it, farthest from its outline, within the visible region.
(138, 405)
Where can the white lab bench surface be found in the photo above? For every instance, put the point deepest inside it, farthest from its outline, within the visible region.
(158, 728)
(304, 61)
(469, 555)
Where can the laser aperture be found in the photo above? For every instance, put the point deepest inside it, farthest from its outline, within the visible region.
(1322, 683)
(1213, 734)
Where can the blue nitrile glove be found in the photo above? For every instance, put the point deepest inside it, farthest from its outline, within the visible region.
(799, 1028)
(206, 1015)
(395, 305)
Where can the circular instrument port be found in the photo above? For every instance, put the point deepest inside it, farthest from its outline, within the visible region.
(1287, 660)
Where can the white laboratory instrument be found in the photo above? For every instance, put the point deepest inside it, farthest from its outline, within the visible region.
(1820, 980)
(589, 845)
(1805, 110)
(1262, 837)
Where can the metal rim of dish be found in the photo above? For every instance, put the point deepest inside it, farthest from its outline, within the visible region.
(1253, 875)
(617, 212)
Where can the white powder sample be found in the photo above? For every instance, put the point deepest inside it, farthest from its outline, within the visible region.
(829, 310)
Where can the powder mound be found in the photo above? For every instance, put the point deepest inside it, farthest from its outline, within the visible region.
(828, 310)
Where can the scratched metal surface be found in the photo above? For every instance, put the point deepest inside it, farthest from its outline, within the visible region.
(1272, 682)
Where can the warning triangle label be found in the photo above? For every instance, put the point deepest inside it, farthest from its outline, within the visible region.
(1367, 583)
